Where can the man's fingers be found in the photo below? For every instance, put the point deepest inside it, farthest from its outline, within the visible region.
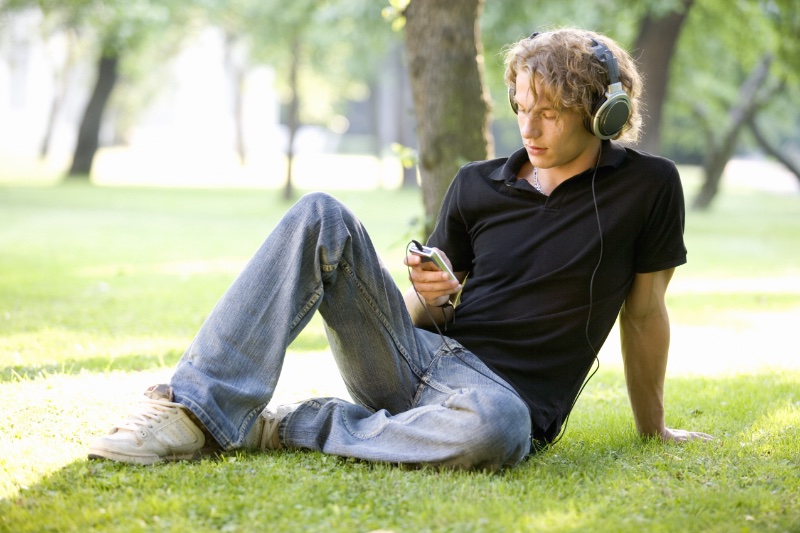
(681, 435)
(696, 435)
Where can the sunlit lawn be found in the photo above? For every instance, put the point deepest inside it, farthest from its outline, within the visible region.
(101, 289)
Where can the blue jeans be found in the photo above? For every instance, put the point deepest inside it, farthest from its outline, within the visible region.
(419, 398)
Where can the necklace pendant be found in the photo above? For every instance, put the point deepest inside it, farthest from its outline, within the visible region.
(536, 184)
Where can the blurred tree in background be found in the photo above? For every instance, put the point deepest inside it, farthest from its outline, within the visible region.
(325, 51)
(721, 75)
(735, 63)
(118, 30)
(452, 100)
(712, 68)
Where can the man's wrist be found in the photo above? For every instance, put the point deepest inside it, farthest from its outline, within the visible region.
(447, 303)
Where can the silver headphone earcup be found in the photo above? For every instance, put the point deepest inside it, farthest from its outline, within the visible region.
(611, 115)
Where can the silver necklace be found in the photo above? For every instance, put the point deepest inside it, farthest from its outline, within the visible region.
(536, 184)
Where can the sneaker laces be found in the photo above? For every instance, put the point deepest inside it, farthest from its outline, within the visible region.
(269, 434)
(150, 411)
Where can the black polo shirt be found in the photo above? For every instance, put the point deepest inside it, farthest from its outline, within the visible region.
(530, 258)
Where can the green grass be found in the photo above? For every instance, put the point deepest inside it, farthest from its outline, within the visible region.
(101, 289)
(101, 278)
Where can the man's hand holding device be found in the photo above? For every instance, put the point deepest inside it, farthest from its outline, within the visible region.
(436, 292)
(432, 255)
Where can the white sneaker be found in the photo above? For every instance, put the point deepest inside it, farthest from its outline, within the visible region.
(160, 430)
(264, 433)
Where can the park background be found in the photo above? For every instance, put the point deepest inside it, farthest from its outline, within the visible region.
(107, 270)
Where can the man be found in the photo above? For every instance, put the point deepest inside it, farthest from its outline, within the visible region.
(548, 247)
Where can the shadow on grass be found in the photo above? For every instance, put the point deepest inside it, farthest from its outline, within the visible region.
(128, 363)
(306, 341)
(599, 477)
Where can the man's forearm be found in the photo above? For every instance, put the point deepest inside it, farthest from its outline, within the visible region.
(645, 349)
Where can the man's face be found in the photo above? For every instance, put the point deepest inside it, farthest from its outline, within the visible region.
(555, 140)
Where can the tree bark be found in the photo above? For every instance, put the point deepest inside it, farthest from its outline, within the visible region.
(719, 153)
(655, 46)
(450, 99)
(89, 132)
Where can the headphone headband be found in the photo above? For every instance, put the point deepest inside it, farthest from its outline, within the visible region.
(604, 55)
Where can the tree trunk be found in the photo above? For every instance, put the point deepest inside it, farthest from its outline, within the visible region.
(747, 102)
(237, 70)
(89, 132)
(655, 46)
(238, 114)
(60, 87)
(394, 110)
(445, 60)
(55, 107)
(292, 117)
(787, 159)
(405, 133)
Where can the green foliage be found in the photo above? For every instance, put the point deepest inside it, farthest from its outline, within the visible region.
(394, 13)
(407, 155)
(343, 43)
(719, 44)
(119, 25)
(334, 66)
(785, 16)
(713, 64)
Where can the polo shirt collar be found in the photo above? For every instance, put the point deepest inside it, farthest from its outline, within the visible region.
(612, 155)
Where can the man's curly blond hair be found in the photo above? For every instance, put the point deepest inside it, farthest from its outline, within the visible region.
(570, 74)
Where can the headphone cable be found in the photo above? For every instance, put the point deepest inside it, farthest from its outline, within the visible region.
(596, 362)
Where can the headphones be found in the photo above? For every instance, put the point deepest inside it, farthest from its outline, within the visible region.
(613, 109)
